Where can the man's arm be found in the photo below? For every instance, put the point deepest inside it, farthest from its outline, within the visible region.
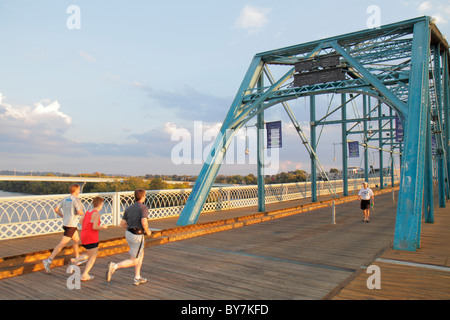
(144, 222)
(58, 212)
(124, 224)
(79, 207)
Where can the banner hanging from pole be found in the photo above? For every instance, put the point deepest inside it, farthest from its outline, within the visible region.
(274, 135)
(433, 145)
(398, 129)
(353, 149)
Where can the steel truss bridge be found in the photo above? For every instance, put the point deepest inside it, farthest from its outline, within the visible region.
(403, 67)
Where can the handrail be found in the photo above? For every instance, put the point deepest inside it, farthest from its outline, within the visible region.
(25, 216)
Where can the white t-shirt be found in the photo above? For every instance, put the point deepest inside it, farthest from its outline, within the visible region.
(70, 206)
(365, 193)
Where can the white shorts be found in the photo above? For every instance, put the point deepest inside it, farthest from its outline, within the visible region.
(136, 243)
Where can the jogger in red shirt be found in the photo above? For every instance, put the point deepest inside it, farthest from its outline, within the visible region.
(89, 237)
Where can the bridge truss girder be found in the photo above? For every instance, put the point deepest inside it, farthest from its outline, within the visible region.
(404, 66)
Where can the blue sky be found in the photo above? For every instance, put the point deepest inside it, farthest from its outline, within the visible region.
(106, 97)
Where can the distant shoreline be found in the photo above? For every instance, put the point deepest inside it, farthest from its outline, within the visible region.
(5, 194)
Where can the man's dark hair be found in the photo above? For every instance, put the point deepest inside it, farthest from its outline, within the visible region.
(139, 194)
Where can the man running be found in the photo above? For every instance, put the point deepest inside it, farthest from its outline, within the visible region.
(70, 209)
(135, 221)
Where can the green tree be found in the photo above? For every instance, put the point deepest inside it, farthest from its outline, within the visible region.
(157, 184)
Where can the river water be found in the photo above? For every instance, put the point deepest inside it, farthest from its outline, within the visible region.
(4, 194)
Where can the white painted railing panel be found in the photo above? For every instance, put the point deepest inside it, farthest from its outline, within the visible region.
(34, 215)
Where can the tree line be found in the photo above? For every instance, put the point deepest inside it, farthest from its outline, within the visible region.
(127, 184)
(251, 179)
(148, 182)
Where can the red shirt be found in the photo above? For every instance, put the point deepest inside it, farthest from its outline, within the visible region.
(88, 234)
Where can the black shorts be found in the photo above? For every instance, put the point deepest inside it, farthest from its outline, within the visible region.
(90, 245)
(365, 204)
(69, 231)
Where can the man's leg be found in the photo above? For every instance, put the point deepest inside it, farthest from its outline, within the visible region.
(76, 241)
(366, 215)
(92, 253)
(64, 241)
(137, 267)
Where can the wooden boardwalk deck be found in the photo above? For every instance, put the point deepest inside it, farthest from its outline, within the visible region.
(421, 275)
(296, 257)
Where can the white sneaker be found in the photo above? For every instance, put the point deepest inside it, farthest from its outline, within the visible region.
(138, 281)
(110, 270)
(47, 265)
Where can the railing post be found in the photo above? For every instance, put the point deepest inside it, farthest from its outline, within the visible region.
(333, 213)
(116, 208)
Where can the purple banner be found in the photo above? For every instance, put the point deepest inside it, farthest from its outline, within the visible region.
(398, 129)
(353, 149)
(274, 137)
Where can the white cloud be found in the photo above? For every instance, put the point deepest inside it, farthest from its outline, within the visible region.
(43, 113)
(425, 6)
(86, 56)
(33, 128)
(440, 19)
(437, 9)
(252, 18)
(138, 85)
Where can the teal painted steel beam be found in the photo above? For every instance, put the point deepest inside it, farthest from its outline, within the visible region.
(358, 120)
(391, 114)
(366, 142)
(344, 144)
(314, 148)
(357, 86)
(446, 89)
(395, 29)
(208, 174)
(395, 102)
(380, 143)
(439, 112)
(257, 106)
(260, 157)
(409, 208)
(428, 188)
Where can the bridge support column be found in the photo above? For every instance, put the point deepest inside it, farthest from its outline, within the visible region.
(428, 189)
(234, 120)
(440, 131)
(260, 142)
(391, 125)
(409, 210)
(380, 143)
(366, 140)
(446, 106)
(344, 144)
(313, 147)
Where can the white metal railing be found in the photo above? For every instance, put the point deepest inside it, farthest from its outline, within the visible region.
(34, 215)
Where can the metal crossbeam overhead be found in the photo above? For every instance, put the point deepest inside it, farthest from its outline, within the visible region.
(392, 65)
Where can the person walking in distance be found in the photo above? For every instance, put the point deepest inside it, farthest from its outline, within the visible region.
(365, 195)
(70, 209)
(135, 221)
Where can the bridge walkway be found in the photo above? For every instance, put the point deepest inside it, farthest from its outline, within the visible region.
(285, 254)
